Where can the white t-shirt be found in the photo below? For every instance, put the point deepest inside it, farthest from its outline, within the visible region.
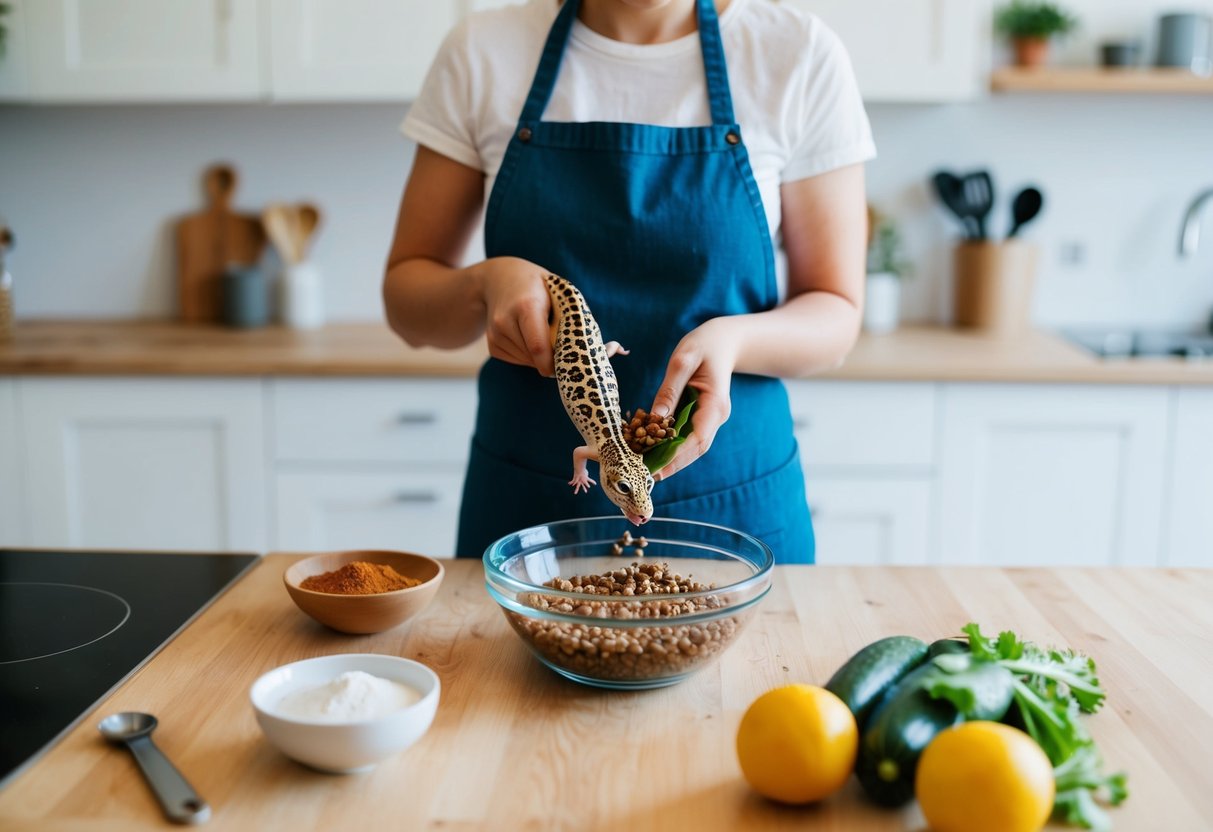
(794, 92)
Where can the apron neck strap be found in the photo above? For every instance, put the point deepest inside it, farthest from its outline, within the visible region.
(720, 100)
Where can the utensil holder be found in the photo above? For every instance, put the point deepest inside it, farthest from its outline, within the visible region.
(245, 298)
(993, 286)
(301, 296)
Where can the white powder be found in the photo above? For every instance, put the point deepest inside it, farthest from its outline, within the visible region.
(351, 696)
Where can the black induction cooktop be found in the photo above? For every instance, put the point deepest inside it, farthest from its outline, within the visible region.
(75, 625)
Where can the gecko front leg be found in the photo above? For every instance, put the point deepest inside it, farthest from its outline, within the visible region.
(614, 348)
(581, 473)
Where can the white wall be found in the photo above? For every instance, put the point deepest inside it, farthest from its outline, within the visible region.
(92, 193)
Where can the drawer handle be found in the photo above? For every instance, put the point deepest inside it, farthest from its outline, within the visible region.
(416, 418)
(415, 497)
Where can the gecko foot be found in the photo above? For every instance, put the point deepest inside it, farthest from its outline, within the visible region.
(581, 481)
(615, 348)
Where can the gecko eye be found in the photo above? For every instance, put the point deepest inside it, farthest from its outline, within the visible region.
(649, 484)
(623, 487)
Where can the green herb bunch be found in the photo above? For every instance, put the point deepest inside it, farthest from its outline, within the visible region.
(1049, 690)
(1023, 19)
(885, 249)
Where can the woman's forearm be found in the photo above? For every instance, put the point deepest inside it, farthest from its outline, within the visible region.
(431, 304)
(811, 333)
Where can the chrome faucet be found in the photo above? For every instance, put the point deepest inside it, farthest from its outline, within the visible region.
(1189, 238)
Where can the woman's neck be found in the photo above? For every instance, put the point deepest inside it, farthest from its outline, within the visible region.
(640, 21)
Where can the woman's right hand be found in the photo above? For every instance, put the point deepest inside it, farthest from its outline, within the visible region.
(517, 307)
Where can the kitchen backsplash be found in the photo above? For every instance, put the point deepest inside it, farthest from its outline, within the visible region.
(92, 193)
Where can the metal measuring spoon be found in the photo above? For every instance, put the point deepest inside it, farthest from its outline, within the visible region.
(177, 797)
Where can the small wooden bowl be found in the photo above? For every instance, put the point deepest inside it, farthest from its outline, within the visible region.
(361, 614)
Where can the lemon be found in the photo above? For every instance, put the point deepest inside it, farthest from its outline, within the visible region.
(797, 743)
(987, 776)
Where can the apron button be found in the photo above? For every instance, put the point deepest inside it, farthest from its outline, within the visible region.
(731, 137)
(524, 134)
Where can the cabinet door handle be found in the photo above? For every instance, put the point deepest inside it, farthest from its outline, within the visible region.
(416, 418)
(415, 497)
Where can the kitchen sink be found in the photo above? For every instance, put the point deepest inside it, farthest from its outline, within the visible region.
(1140, 343)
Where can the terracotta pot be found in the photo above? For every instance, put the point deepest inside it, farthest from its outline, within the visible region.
(1031, 52)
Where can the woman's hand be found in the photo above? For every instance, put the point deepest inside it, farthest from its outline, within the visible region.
(704, 359)
(517, 307)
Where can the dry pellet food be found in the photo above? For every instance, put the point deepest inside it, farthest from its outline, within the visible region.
(644, 430)
(599, 651)
(637, 543)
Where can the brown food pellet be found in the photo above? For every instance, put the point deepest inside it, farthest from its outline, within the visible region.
(644, 430)
(633, 653)
(359, 578)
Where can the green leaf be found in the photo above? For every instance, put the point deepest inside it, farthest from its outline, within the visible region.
(659, 456)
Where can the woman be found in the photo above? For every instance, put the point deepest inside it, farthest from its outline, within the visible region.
(604, 133)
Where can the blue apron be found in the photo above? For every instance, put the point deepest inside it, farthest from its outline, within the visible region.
(661, 228)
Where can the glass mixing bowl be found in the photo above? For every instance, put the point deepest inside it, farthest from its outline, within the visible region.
(710, 578)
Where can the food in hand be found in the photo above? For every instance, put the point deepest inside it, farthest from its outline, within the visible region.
(797, 743)
(985, 776)
(644, 430)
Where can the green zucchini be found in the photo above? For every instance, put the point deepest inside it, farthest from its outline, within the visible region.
(904, 724)
(864, 679)
(947, 646)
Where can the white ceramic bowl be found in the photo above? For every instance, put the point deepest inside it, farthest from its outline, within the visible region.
(343, 747)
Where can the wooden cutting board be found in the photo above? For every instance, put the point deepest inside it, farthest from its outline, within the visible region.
(210, 241)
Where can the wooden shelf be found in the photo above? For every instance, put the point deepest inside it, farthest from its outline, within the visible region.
(1100, 80)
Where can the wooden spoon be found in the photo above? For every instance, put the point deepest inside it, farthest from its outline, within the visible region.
(309, 220)
(279, 226)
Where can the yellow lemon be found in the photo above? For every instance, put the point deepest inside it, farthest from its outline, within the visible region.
(797, 743)
(987, 776)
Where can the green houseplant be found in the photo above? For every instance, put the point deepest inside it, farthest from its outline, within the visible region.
(887, 266)
(1029, 26)
(5, 8)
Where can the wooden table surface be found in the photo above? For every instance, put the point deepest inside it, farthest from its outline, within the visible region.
(912, 353)
(516, 747)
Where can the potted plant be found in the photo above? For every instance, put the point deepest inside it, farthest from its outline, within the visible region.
(886, 268)
(4, 9)
(1029, 26)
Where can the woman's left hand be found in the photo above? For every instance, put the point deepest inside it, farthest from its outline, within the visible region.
(704, 359)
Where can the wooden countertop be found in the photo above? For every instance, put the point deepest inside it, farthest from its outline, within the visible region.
(515, 746)
(370, 349)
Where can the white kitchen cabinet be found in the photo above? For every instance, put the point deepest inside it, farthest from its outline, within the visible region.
(14, 76)
(1189, 528)
(355, 49)
(144, 50)
(370, 463)
(12, 513)
(1048, 475)
(868, 522)
(884, 425)
(415, 510)
(912, 50)
(417, 421)
(144, 463)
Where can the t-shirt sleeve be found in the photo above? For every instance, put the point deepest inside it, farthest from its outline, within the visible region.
(441, 117)
(828, 125)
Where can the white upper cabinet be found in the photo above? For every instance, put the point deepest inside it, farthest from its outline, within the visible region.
(14, 80)
(143, 50)
(355, 49)
(912, 50)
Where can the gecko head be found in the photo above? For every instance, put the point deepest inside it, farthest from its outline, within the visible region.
(629, 485)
